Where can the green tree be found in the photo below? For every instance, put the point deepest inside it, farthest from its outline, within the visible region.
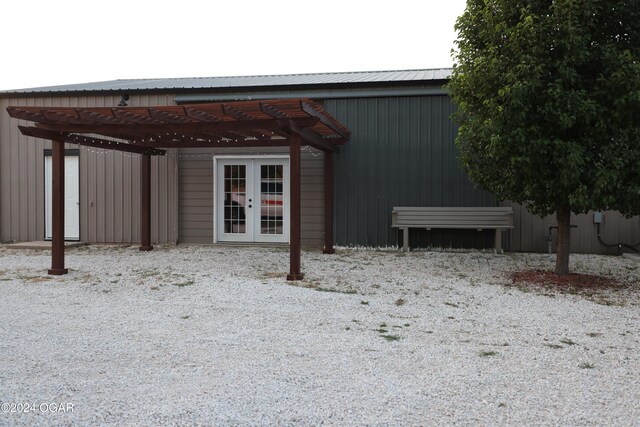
(548, 93)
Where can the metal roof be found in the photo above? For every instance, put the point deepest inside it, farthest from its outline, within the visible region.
(360, 77)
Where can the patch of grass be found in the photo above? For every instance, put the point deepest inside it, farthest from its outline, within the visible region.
(567, 341)
(488, 353)
(302, 284)
(272, 275)
(594, 334)
(185, 317)
(586, 365)
(338, 291)
(391, 337)
(608, 302)
(381, 330)
(34, 278)
(400, 302)
(154, 288)
(555, 346)
(452, 304)
(149, 273)
(183, 284)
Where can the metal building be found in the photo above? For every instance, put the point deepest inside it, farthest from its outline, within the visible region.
(400, 153)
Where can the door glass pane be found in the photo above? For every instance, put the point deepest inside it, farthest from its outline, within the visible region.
(235, 187)
(271, 197)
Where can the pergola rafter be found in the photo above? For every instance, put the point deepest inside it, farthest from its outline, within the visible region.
(150, 130)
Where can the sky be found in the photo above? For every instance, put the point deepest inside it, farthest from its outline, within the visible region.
(47, 42)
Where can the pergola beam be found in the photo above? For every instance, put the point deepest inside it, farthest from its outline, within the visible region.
(307, 108)
(143, 129)
(216, 144)
(89, 141)
(310, 137)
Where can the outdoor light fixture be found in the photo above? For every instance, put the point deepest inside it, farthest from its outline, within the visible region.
(123, 101)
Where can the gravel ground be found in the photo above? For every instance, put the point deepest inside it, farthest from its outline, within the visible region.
(205, 335)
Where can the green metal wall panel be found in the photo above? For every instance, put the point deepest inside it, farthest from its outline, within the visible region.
(401, 153)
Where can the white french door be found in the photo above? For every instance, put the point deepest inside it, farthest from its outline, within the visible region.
(71, 197)
(252, 199)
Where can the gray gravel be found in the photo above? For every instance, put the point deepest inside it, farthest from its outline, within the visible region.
(195, 335)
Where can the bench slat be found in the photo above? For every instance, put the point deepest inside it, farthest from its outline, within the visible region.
(458, 226)
(419, 209)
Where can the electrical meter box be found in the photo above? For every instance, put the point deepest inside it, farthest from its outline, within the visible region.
(598, 217)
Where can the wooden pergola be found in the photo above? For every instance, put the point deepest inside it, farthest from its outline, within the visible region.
(148, 131)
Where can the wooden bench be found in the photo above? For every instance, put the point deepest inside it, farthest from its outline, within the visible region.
(498, 218)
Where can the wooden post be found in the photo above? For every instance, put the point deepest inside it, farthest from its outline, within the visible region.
(57, 211)
(294, 216)
(328, 203)
(145, 202)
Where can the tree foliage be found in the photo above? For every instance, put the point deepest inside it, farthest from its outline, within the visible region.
(549, 102)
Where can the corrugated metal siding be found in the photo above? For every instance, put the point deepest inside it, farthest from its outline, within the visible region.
(401, 153)
(196, 184)
(530, 233)
(109, 182)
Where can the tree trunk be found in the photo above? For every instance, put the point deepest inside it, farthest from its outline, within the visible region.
(563, 215)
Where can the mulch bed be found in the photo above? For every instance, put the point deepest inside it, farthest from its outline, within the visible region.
(549, 279)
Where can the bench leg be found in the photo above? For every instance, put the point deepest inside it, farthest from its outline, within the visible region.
(498, 242)
(405, 239)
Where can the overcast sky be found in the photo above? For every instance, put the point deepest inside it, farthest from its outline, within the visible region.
(51, 42)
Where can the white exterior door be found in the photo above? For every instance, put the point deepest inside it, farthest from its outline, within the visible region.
(252, 199)
(71, 197)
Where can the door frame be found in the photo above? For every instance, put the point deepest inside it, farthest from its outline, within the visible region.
(249, 157)
(47, 153)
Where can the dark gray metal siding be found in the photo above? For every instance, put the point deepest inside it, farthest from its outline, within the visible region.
(401, 153)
